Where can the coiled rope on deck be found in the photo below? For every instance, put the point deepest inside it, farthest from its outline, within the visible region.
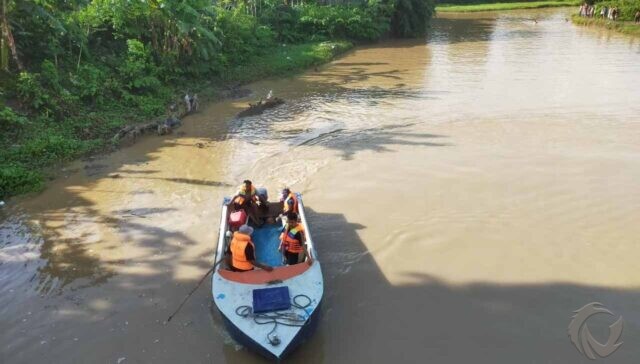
(287, 318)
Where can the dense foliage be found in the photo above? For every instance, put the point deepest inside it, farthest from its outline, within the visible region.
(479, 2)
(627, 8)
(74, 71)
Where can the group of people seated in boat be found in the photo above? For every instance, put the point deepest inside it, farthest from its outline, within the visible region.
(241, 251)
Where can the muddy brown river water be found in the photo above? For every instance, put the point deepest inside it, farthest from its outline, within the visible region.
(466, 194)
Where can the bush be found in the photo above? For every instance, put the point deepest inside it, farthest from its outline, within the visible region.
(32, 94)
(49, 149)
(16, 179)
(347, 22)
(283, 19)
(9, 119)
(242, 37)
(88, 81)
(44, 93)
(139, 72)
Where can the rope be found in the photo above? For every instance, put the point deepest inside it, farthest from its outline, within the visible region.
(193, 290)
(287, 318)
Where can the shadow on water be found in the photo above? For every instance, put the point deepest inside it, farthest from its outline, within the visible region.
(189, 181)
(365, 318)
(344, 135)
(450, 30)
(368, 319)
(66, 260)
(376, 140)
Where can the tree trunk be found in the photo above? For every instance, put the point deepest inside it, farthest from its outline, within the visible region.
(8, 36)
(4, 55)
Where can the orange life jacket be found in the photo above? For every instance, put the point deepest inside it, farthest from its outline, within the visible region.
(238, 245)
(243, 195)
(239, 200)
(294, 207)
(288, 238)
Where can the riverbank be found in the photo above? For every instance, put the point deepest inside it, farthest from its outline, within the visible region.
(35, 155)
(626, 27)
(444, 8)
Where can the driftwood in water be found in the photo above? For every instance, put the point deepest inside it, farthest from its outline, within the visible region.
(259, 107)
(129, 133)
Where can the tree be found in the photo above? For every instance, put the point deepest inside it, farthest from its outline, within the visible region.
(7, 35)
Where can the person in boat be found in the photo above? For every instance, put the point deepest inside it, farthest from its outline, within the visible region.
(292, 240)
(247, 199)
(289, 201)
(242, 257)
(263, 199)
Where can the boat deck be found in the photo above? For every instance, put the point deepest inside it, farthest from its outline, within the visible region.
(267, 240)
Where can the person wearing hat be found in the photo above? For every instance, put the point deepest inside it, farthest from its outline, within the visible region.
(243, 252)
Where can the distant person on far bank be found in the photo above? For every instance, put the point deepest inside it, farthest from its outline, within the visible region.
(191, 103)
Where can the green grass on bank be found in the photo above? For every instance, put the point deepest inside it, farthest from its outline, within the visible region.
(285, 59)
(28, 157)
(444, 8)
(625, 27)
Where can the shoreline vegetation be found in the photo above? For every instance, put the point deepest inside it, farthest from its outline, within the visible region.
(625, 27)
(52, 153)
(465, 8)
(74, 74)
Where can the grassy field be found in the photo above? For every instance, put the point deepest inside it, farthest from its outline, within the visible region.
(625, 27)
(444, 8)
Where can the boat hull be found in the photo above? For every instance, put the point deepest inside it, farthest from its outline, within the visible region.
(233, 291)
(248, 342)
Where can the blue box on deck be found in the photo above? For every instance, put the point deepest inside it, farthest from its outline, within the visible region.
(271, 299)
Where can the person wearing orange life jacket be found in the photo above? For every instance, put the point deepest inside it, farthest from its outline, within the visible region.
(292, 240)
(246, 194)
(246, 199)
(242, 257)
(289, 201)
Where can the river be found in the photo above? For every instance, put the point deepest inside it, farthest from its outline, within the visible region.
(466, 194)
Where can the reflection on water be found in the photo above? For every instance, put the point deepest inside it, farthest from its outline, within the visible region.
(466, 194)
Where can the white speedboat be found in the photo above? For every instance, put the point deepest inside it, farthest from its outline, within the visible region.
(270, 313)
